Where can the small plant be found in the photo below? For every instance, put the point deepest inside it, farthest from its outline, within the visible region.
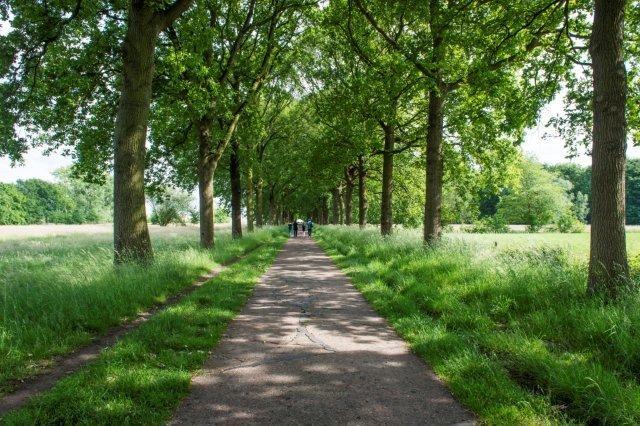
(568, 223)
(490, 225)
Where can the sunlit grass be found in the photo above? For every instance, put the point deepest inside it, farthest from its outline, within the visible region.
(511, 331)
(57, 293)
(144, 376)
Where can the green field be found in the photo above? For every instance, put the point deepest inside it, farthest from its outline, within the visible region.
(577, 245)
(59, 292)
(510, 329)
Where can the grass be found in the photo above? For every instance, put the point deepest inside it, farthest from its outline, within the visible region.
(576, 245)
(57, 293)
(510, 331)
(144, 376)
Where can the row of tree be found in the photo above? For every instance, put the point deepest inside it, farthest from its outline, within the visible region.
(305, 103)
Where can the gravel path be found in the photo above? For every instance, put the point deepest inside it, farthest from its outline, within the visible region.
(308, 349)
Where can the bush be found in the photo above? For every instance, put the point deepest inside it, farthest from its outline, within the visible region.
(172, 206)
(489, 225)
(567, 222)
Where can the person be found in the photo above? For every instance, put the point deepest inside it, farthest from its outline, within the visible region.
(295, 229)
(304, 228)
(290, 229)
(309, 227)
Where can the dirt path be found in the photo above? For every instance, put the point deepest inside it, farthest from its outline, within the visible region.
(308, 349)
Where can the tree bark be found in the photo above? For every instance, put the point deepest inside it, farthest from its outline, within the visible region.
(335, 206)
(386, 213)
(236, 190)
(130, 231)
(206, 170)
(363, 203)
(250, 206)
(259, 202)
(434, 169)
(348, 194)
(325, 210)
(608, 267)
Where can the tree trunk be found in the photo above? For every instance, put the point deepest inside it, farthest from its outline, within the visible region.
(363, 204)
(236, 190)
(341, 207)
(325, 210)
(608, 267)
(206, 170)
(259, 202)
(335, 206)
(386, 214)
(130, 231)
(348, 195)
(435, 169)
(250, 206)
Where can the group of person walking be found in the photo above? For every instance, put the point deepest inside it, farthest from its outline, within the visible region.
(299, 225)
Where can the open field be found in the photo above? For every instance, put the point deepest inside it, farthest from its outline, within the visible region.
(58, 292)
(576, 245)
(512, 332)
(12, 232)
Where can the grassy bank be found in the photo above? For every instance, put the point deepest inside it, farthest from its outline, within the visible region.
(511, 332)
(59, 292)
(144, 376)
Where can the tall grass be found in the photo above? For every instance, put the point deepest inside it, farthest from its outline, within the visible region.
(511, 332)
(143, 377)
(57, 293)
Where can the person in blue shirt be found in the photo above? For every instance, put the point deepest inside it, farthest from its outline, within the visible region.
(309, 227)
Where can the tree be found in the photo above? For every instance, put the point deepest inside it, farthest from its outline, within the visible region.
(540, 199)
(494, 38)
(46, 202)
(172, 206)
(93, 201)
(608, 266)
(69, 80)
(12, 205)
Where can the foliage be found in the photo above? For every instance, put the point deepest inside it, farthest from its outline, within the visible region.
(71, 200)
(171, 206)
(568, 222)
(46, 202)
(539, 200)
(93, 201)
(514, 336)
(12, 205)
(489, 225)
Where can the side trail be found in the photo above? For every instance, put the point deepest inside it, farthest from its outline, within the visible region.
(65, 365)
(308, 349)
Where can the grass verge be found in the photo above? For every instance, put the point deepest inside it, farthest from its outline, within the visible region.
(57, 293)
(514, 335)
(144, 376)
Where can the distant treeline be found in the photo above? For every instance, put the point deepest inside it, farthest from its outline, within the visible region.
(580, 177)
(70, 200)
(543, 190)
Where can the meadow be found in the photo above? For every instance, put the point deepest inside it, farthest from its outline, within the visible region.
(508, 327)
(58, 292)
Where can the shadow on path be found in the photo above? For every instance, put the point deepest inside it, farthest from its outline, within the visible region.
(308, 349)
